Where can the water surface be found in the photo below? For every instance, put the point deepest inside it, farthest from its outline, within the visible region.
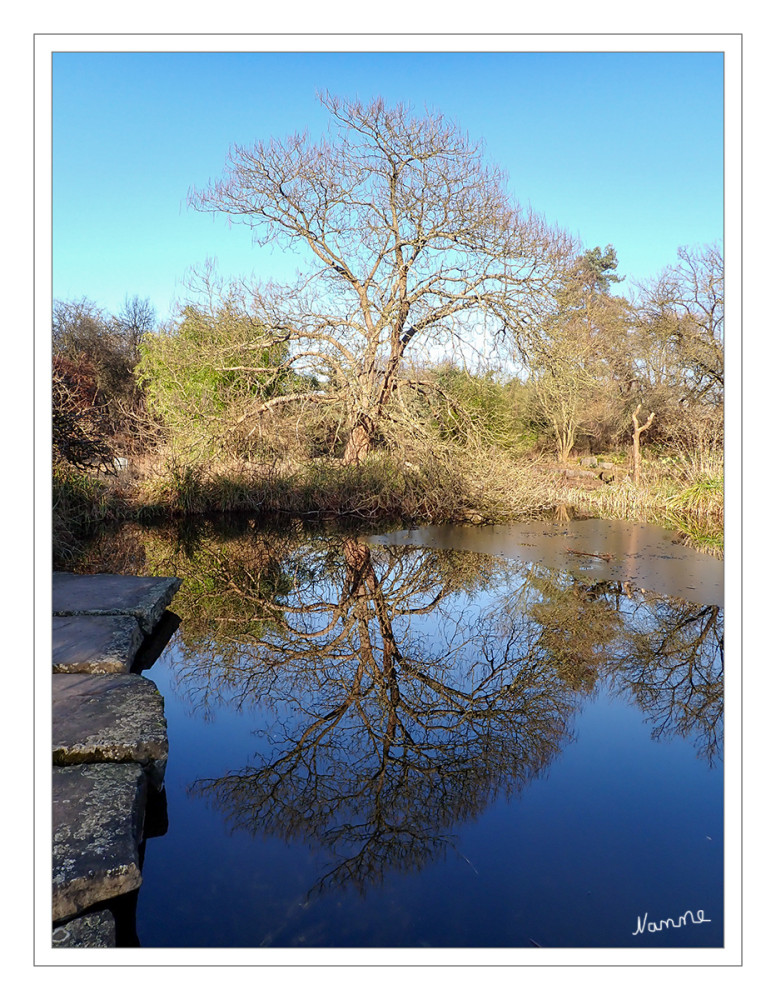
(435, 738)
(644, 556)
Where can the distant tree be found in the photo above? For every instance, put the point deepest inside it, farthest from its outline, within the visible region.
(682, 313)
(589, 280)
(679, 342)
(136, 319)
(580, 363)
(77, 327)
(413, 241)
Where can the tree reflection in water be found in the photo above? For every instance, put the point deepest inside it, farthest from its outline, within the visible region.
(396, 735)
(670, 663)
(404, 689)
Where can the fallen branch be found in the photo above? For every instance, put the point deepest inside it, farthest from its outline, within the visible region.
(593, 555)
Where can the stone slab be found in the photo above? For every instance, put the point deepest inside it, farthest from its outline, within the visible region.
(97, 823)
(92, 930)
(92, 644)
(143, 597)
(109, 717)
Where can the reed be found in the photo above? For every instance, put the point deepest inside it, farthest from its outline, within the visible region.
(684, 493)
(80, 501)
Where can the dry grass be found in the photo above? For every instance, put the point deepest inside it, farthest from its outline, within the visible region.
(685, 493)
(447, 486)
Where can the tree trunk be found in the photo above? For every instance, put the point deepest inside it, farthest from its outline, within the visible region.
(360, 441)
(564, 441)
(636, 447)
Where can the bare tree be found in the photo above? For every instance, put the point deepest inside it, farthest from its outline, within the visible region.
(682, 312)
(637, 432)
(413, 240)
(137, 317)
(564, 381)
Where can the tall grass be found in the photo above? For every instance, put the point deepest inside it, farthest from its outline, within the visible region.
(450, 485)
(684, 493)
(697, 507)
(80, 501)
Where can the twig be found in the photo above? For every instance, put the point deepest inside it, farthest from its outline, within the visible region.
(594, 555)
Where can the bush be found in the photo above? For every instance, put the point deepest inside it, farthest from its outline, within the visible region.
(79, 423)
(204, 378)
(98, 344)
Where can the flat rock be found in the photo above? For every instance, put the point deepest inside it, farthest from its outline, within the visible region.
(104, 644)
(143, 597)
(109, 717)
(97, 818)
(92, 930)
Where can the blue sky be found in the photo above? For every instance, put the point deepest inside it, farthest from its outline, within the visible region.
(621, 148)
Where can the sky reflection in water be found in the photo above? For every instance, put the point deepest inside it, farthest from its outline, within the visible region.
(382, 745)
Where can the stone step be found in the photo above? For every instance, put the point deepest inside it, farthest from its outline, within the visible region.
(92, 930)
(109, 717)
(97, 816)
(105, 644)
(143, 597)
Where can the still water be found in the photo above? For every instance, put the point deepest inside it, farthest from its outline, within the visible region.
(473, 737)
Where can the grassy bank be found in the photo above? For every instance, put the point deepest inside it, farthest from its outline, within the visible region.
(686, 495)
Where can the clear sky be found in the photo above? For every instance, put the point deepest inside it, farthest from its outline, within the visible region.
(621, 148)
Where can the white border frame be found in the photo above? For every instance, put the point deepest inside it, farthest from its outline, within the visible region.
(731, 46)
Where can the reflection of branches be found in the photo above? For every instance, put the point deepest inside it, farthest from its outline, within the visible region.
(671, 663)
(403, 689)
(663, 653)
(402, 736)
(241, 633)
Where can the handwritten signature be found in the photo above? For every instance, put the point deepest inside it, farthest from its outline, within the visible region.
(661, 925)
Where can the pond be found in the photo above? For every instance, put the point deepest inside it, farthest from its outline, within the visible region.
(470, 737)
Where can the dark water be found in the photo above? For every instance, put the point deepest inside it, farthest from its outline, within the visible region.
(376, 744)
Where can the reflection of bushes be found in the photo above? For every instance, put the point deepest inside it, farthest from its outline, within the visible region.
(273, 607)
(575, 636)
(110, 548)
(228, 581)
